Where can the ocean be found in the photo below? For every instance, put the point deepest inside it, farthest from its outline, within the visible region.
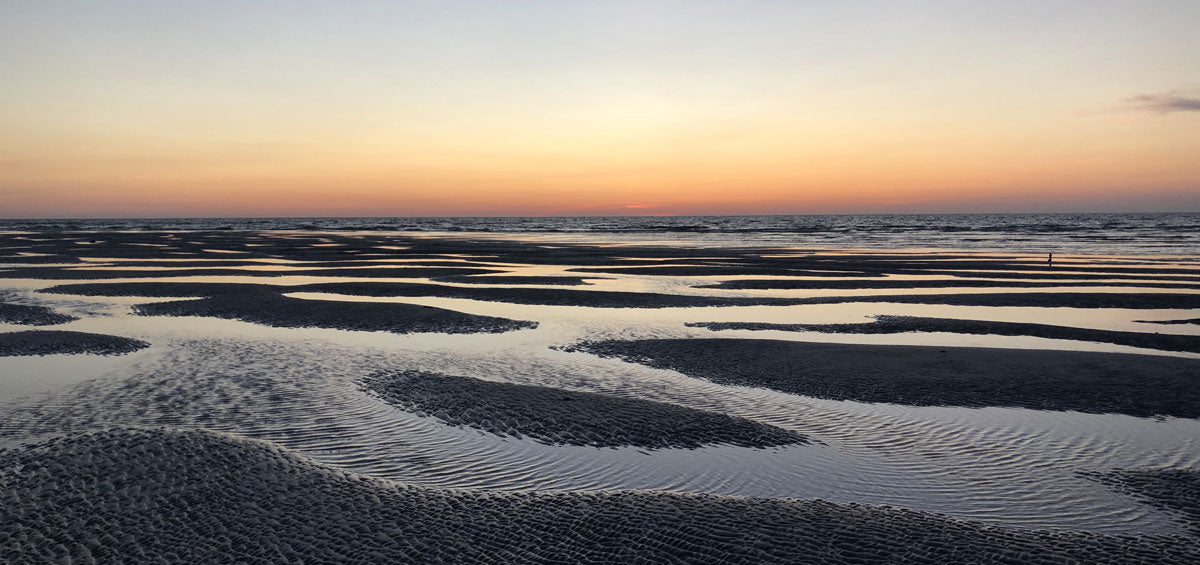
(1088, 234)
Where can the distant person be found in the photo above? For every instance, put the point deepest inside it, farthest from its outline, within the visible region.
(1050, 260)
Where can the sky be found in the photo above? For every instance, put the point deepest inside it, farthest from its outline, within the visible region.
(260, 108)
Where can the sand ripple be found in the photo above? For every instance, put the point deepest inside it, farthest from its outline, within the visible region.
(31, 315)
(559, 416)
(196, 496)
(48, 342)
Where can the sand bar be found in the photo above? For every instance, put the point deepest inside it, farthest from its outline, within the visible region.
(49, 342)
(283, 312)
(902, 324)
(557, 416)
(31, 315)
(1137, 385)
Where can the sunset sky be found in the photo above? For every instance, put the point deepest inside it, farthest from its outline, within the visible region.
(252, 108)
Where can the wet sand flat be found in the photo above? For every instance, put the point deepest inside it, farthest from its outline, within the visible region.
(567, 417)
(1177, 490)
(545, 296)
(515, 279)
(119, 273)
(325, 396)
(1045, 299)
(31, 315)
(200, 497)
(160, 289)
(1193, 321)
(49, 342)
(799, 284)
(617, 299)
(280, 311)
(1136, 385)
(903, 324)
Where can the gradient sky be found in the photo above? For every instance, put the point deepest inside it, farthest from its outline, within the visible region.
(248, 108)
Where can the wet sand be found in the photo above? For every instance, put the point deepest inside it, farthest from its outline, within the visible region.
(795, 284)
(544, 296)
(26, 315)
(160, 289)
(700, 270)
(557, 416)
(515, 279)
(455, 361)
(93, 273)
(283, 312)
(618, 299)
(1193, 321)
(50, 342)
(1045, 300)
(200, 497)
(1176, 490)
(902, 324)
(1137, 385)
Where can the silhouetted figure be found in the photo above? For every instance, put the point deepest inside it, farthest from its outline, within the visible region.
(1050, 260)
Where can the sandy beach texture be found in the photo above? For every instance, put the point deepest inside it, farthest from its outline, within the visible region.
(1138, 385)
(283, 312)
(559, 416)
(328, 397)
(195, 496)
(903, 324)
(31, 315)
(49, 342)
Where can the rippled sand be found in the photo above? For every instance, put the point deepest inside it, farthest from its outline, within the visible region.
(195, 496)
(456, 363)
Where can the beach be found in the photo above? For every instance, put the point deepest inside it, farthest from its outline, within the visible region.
(347, 394)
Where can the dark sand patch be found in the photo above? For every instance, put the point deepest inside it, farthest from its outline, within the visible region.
(118, 263)
(761, 262)
(901, 264)
(330, 264)
(709, 270)
(366, 272)
(1051, 275)
(31, 315)
(902, 324)
(35, 259)
(50, 342)
(1175, 490)
(161, 289)
(798, 284)
(616, 299)
(541, 296)
(556, 416)
(200, 497)
(284, 312)
(1195, 321)
(1137, 385)
(516, 280)
(1131, 300)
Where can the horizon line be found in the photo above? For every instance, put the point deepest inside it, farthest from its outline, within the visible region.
(282, 217)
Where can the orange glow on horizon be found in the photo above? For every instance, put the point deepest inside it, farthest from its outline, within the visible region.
(787, 108)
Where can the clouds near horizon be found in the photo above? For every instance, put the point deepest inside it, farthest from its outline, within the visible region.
(1165, 102)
